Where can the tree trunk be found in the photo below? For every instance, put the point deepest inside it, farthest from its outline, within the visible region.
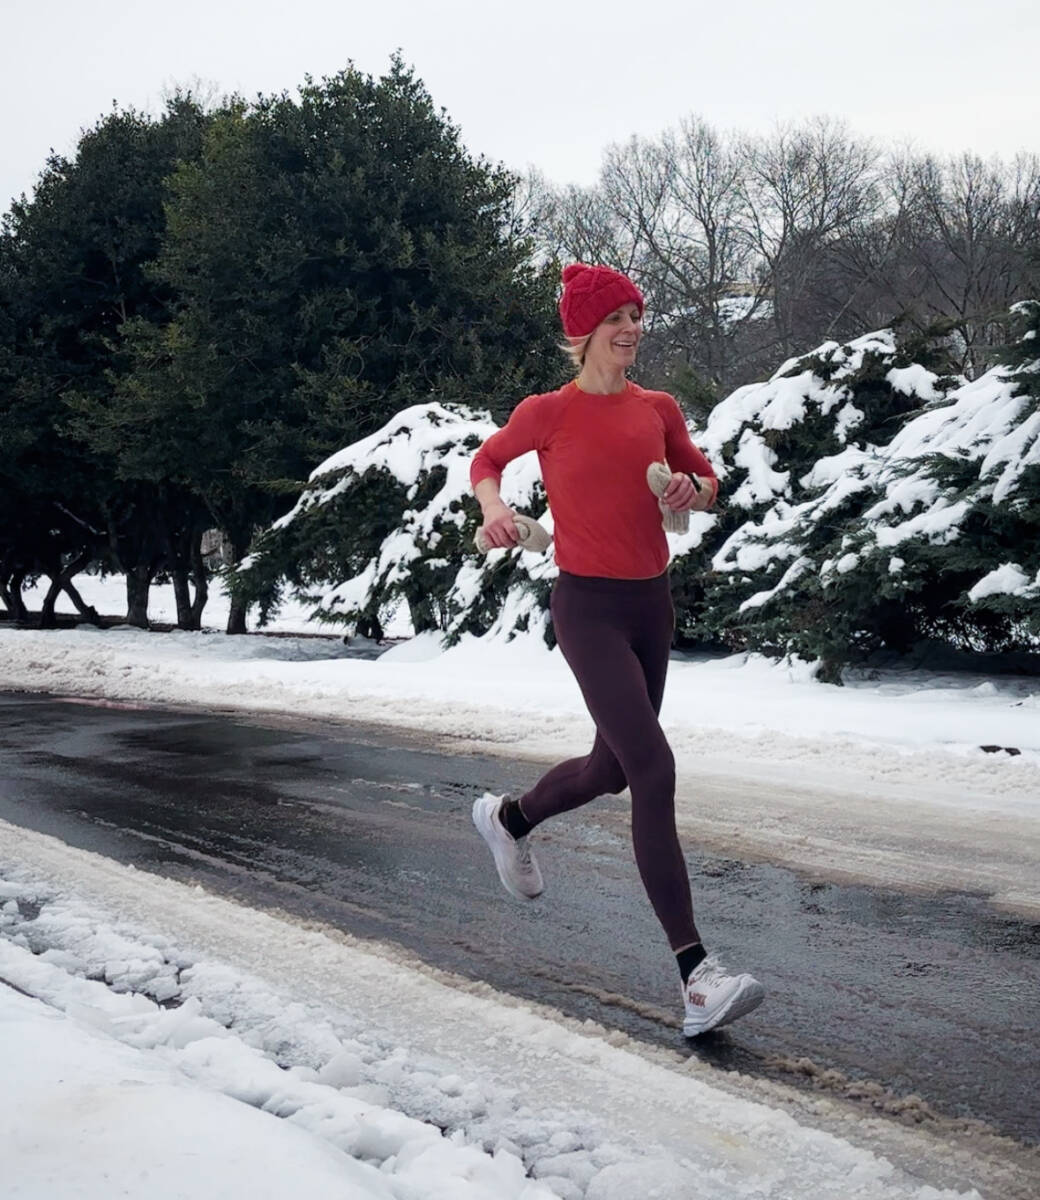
(236, 622)
(11, 593)
(182, 596)
(11, 580)
(237, 614)
(138, 583)
(47, 617)
(61, 580)
(420, 610)
(198, 567)
(175, 545)
(183, 544)
(830, 671)
(87, 611)
(369, 626)
(7, 599)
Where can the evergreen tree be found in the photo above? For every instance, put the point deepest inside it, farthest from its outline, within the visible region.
(337, 257)
(772, 444)
(390, 521)
(74, 277)
(958, 527)
(928, 536)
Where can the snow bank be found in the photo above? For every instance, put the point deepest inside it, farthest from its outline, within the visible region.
(485, 689)
(194, 1048)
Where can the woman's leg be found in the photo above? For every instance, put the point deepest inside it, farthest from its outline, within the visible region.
(573, 783)
(654, 836)
(615, 636)
(577, 781)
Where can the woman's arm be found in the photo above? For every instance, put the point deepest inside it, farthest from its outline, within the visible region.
(694, 485)
(521, 433)
(498, 524)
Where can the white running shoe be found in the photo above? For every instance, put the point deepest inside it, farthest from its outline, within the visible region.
(714, 998)
(516, 865)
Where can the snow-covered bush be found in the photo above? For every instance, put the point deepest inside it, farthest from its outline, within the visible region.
(774, 444)
(930, 533)
(390, 520)
(962, 498)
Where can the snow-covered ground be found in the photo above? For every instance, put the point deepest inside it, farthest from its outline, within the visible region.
(168, 1043)
(166, 1029)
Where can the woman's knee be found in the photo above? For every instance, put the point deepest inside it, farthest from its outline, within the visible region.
(652, 773)
(603, 775)
(613, 781)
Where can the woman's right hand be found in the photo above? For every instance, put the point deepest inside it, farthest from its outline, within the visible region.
(499, 526)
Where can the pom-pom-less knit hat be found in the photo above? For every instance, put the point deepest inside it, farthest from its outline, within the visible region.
(592, 293)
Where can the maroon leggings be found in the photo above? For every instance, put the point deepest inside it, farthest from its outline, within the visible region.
(615, 635)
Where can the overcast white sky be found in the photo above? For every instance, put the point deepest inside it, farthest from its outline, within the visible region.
(542, 82)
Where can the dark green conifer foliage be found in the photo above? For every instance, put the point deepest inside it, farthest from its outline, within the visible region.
(1006, 531)
(336, 257)
(886, 555)
(709, 599)
(929, 600)
(73, 276)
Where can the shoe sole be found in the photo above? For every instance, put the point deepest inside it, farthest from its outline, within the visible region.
(745, 999)
(482, 816)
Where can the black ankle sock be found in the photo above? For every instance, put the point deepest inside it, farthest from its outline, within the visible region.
(514, 820)
(690, 959)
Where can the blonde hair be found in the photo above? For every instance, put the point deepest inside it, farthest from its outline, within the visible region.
(575, 349)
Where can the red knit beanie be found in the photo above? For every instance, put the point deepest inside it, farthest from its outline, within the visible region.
(592, 293)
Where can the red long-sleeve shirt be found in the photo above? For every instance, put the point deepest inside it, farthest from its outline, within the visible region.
(594, 451)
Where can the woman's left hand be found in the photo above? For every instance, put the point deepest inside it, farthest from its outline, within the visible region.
(682, 496)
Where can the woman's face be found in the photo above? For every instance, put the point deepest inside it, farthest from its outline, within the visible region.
(615, 340)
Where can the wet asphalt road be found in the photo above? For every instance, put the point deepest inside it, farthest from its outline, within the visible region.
(880, 996)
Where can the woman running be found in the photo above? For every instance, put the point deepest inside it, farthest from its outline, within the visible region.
(611, 607)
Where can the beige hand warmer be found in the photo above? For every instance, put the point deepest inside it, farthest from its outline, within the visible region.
(531, 535)
(658, 477)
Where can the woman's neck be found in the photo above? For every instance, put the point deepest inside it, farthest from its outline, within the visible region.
(602, 381)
